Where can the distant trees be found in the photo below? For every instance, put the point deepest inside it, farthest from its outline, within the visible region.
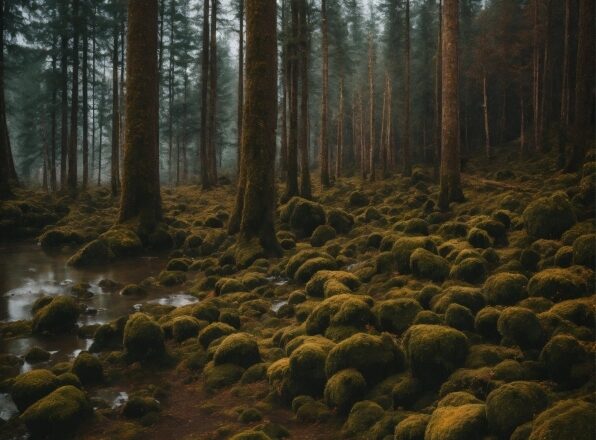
(6, 161)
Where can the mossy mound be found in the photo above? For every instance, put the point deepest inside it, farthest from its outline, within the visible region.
(58, 316)
(143, 338)
(321, 235)
(344, 389)
(133, 290)
(567, 419)
(557, 284)
(123, 242)
(58, 237)
(458, 398)
(404, 247)
(317, 286)
(35, 355)
(362, 417)
(29, 387)
(520, 326)
(584, 250)
(396, 315)
(358, 199)
(375, 357)
(321, 316)
(459, 317)
(469, 297)
(185, 327)
(412, 427)
(88, 368)
(428, 266)
(513, 404)
(58, 414)
(306, 370)
(505, 289)
(485, 323)
(434, 351)
(94, 253)
(463, 422)
(562, 356)
(303, 216)
(169, 278)
(340, 220)
(311, 266)
(138, 406)
(238, 349)
(549, 217)
(214, 331)
(479, 238)
(471, 270)
(221, 376)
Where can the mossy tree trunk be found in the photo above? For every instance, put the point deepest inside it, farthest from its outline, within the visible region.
(283, 160)
(115, 161)
(305, 185)
(583, 130)
(258, 138)
(324, 98)
(140, 189)
(204, 98)
(450, 190)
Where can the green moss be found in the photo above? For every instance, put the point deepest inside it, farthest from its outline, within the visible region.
(306, 271)
(505, 288)
(300, 258)
(470, 297)
(58, 414)
(513, 404)
(403, 248)
(580, 312)
(345, 388)
(549, 217)
(458, 398)
(122, 241)
(138, 406)
(485, 323)
(316, 287)
(171, 278)
(453, 229)
(561, 356)
(143, 338)
(60, 315)
(178, 264)
(303, 216)
(412, 427)
(321, 235)
(405, 391)
(375, 357)
(557, 284)
(320, 317)
(521, 327)
(184, 327)
(250, 415)
(584, 250)
(362, 417)
(229, 285)
(255, 373)
(206, 311)
(396, 315)
(221, 376)
(88, 368)
(312, 411)
(95, 253)
(358, 199)
(29, 387)
(353, 312)
(457, 423)
(428, 266)
(564, 256)
(58, 237)
(36, 355)
(470, 270)
(238, 349)
(434, 351)
(479, 238)
(567, 419)
(250, 435)
(306, 372)
(459, 317)
(133, 290)
(214, 331)
(340, 220)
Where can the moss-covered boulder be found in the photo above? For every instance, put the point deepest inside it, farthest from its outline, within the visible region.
(143, 338)
(567, 419)
(214, 331)
(88, 368)
(434, 351)
(485, 323)
(29, 387)
(123, 242)
(396, 315)
(479, 238)
(250, 435)
(562, 357)
(311, 266)
(59, 414)
(318, 285)
(238, 349)
(428, 266)
(170, 278)
(306, 370)
(358, 199)
(58, 316)
(340, 220)
(57, 237)
(184, 327)
(321, 235)
(463, 422)
(584, 250)
(520, 326)
(403, 247)
(557, 284)
(471, 270)
(459, 317)
(514, 404)
(303, 216)
(469, 297)
(35, 355)
(344, 389)
(412, 427)
(94, 253)
(139, 406)
(362, 417)
(549, 217)
(221, 376)
(505, 288)
(375, 357)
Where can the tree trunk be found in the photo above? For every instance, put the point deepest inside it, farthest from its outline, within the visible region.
(85, 103)
(438, 96)
(305, 186)
(583, 131)
(340, 130)
(363, 150)
(325, 97)
(205, 182)
(257, 225)
(283, 160)
(171, 95)
(522, 130)
(115, 162)
(536, 78)
(408, 100)
(5, 184)
(565, 92)
(64, 105)
(383, 145)
(53, 184)
(93, 98)
(487, 149)
(140, 187)
(450, 190)
(371, 108)
(74, 109)
(213, 96)
(240, 83)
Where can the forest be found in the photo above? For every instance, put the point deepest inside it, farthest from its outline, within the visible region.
(297, 219)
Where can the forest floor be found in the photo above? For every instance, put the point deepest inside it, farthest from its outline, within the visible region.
(385, 318)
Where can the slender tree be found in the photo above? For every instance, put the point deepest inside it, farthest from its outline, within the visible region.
(140, 180)
(371, 108)
(565, 92)
(324, 147)
(340, 130)
(74, 106)
(240, 80)
(205, 182)
(305, 185)
(450, 190)
(438, 95)
(115, 162)
(64, 100)
(212, 151)
(407, 99)
(85, 85)
(5, 154)
(257, 226)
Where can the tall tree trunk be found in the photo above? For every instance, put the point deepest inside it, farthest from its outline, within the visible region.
(363, 150)
(205, 182)
(213, 96)
(583, 130)
(340, 130)
(407, 99)
(438, 96)
(487, 149)
(383, 146)
(74, 109)
(283, 160)
(565, 92)
(371, 108)
(240, 83)
(93, 97)
(325, 97)
(450, 190)
(292, 174)
(171, 95)
(522, 130)
(85, 102)
(52, 164)
(5, 184)
(140, 186)
(305, 186)
(258, 142)
(64, 109)
(100, 127)
(115, 162)
(536, 77)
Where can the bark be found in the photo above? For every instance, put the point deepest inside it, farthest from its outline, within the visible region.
(450, 189)
(383, 134)
(438, 96)
(565, 92)
(258, 139)
(115, 162)
(5, 184)
(240, 83)
(52, 163)
(536, 77)
(371, 108)
(583, 130)
(93, 98)
(325, 98)
(487, 149)
(340, 131)
(212, 155)
(171, 94)
(85, 115)
(283, 160)
(64, 110)
(522, 136)
(74, 108)
(305, 186)
(407, 100)
(205, 182)
(140, 187)
(363, 151)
